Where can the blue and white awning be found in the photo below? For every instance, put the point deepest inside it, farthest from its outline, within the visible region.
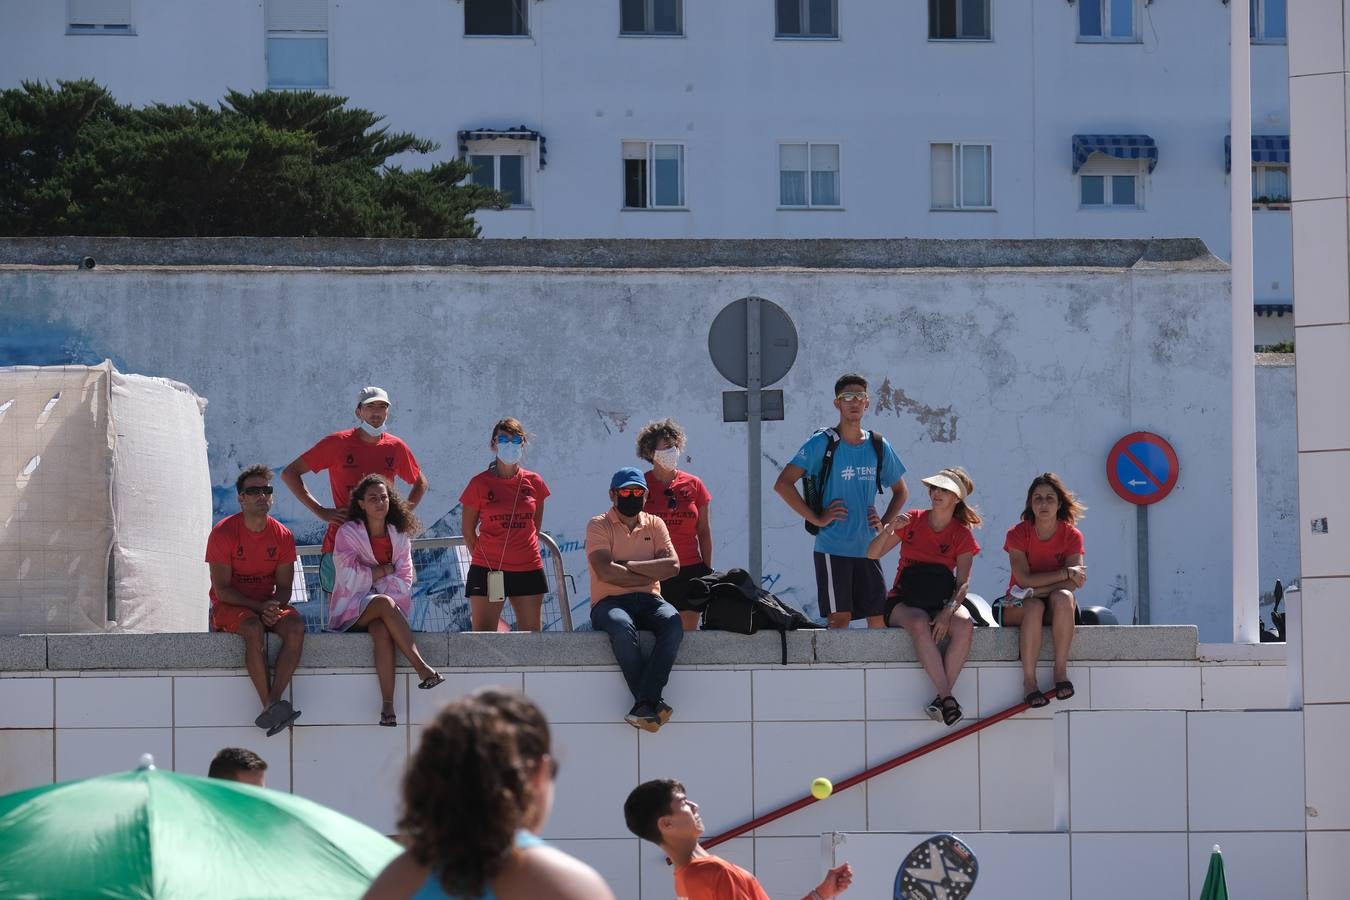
(519, 133)
(1120, 146)
(1266, 148)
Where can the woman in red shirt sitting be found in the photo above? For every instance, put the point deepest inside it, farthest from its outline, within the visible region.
(1045, 552)
(503, 512)
(937, 548)
(373, 579)
(682, 502)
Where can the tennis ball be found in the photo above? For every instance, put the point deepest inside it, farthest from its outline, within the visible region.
(821, 788)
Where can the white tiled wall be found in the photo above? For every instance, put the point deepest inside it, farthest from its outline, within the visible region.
(1328, 863)
(28, 759)
(1136, 754)
(1130, 866)
(1327, 726)
(1127, 770)
(1239, 773)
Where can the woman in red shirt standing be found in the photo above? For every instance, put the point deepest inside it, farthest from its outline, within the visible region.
(503, 510)
(1045, 552)
(681, 501)
(937, 548)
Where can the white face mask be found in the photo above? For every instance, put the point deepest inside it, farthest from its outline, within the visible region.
(510, 454)
(668, 458)
(371, 429)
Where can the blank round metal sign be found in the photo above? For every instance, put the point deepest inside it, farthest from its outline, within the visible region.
(777, 342)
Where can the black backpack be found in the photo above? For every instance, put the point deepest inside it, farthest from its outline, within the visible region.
(812, 485)
(731, 601)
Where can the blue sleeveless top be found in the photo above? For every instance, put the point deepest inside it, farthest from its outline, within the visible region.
(432, 889)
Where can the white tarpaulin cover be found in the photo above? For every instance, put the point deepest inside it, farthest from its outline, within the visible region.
(105, 502)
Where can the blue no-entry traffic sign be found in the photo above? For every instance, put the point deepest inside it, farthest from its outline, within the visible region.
(1142, 468)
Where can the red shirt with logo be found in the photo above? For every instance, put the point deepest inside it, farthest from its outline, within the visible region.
(347, 459)
(919, 543)
(1044, 556)
(506, 540)
(252, 557)
(678, 504)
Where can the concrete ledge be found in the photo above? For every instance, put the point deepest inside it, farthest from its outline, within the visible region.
(69, 652)
(817, 253)
(23, 653)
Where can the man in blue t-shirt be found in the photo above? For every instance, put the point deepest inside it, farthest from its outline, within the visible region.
(848, 584)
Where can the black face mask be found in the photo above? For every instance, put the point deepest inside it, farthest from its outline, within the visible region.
(629, 506)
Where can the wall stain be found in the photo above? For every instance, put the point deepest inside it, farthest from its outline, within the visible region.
(940, 421)
(617, 419)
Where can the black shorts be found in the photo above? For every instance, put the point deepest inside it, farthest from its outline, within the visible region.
(851, 584)
(675, 591)
(518, 584)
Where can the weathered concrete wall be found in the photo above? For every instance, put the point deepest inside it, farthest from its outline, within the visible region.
(1007, 371)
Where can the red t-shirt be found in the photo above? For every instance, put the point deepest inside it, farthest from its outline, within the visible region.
(677, 504)
(252, 558)
(1044, 556)
(494, 499)
(713, 878)
(384, 549)
(348, 459)
(919, 543)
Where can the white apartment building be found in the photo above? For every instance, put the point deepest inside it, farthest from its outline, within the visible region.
(756, 118)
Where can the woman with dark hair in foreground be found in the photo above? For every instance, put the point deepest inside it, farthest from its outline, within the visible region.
(475, 796)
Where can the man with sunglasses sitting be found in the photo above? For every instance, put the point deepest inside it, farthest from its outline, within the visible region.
(629, 553)
(252, 560)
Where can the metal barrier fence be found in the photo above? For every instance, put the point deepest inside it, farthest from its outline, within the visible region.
(439, 603)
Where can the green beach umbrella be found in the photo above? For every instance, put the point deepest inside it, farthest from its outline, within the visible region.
(155, 834)
(1216, 887)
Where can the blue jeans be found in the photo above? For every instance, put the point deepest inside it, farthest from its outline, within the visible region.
(622, 617)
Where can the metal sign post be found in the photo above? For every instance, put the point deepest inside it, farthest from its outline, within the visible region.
(1142, 469)
(753, 343)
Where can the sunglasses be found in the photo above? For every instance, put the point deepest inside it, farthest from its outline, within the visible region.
(631, 492)
(851, 395)
(670, 498)
(255, 490)
(510, 439)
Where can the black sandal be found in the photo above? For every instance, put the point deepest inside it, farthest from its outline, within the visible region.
(951, 711)
(1063, 690)
(1036, 700)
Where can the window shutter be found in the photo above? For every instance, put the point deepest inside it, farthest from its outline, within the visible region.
(297, 15)
(943, 176)
(635, 150)
(100, 12)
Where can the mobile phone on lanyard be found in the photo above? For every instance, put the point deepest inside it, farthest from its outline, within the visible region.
(496, 586)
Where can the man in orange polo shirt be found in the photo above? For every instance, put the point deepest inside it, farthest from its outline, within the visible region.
(629, 553)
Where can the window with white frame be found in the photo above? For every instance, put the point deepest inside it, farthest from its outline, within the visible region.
(297, 43)
(1267, 21)
(99, 17)
(808, 175)
(962, 176)
(505, 170)
(807, 18)
(1270, 183)
(651, 17)
(501, 18)
(958, 20)
(1105, 183)
(1107, 20)
(653, 175)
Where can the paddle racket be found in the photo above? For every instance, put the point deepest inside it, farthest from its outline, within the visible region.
(942, 867)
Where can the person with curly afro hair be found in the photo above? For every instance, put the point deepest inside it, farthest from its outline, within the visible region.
(476, 793)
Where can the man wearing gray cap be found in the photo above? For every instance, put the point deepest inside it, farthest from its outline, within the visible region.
(348, 456)
(629, 553)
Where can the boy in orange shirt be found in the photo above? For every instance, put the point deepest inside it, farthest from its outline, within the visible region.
(659, 811)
